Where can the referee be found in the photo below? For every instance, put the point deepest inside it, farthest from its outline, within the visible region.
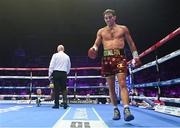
(59, 67)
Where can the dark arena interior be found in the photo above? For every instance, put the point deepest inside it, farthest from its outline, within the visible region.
(31, 30)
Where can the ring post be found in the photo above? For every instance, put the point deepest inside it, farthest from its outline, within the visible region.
(131, 75)
(158, 74)
(75, 84)
(30, 88)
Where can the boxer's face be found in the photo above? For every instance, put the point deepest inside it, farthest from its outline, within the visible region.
(109, 19)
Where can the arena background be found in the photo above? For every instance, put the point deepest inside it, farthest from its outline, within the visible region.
(31, 30)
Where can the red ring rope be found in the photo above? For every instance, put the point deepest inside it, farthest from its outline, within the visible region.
(161, 42)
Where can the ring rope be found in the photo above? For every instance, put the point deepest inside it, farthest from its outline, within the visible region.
(166, 99)
(45, 69)
(27, 87)
(69, 96)
(45, 77)
(173, 100)
(161, 83)
(161, 60)
(151, 84)
(161, 42)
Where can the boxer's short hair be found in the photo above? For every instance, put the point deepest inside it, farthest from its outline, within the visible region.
(109, 11)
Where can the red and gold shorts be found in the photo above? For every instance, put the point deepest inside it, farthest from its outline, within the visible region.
(113, 62)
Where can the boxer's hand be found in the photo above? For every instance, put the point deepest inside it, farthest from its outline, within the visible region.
(136, 62)
(92, 53)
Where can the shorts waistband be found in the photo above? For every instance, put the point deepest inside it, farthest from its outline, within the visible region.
(112, 52)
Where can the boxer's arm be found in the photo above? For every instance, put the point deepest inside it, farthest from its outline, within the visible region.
(136, 60)
(131, 43)
(97, 41)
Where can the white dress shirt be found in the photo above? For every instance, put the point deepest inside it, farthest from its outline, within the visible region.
(60, 62)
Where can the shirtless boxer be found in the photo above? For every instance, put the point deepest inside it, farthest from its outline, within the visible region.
(114, 62)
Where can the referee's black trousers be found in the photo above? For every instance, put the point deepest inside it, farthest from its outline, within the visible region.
(60, 80)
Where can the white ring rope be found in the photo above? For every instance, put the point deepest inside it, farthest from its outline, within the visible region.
(69, 96)
(161, 60)
(27, 87)
(45, 77)
(162, 83)
(166, 99)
